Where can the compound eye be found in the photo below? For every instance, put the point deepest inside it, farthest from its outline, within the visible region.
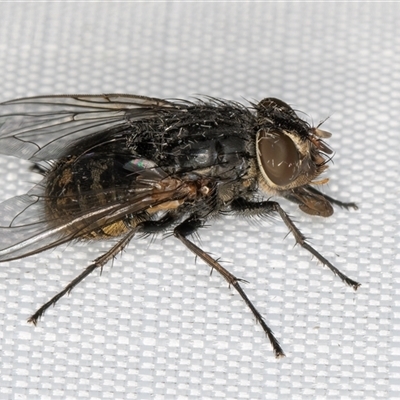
(279, 157)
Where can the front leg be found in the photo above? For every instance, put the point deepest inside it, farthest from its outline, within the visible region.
(313, 202)
(266, 208)
(331, 200)
(189, 227)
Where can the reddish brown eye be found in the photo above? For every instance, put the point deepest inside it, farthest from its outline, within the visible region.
(279, 158)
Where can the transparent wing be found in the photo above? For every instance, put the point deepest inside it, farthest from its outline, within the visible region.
(42, 128)
(26, 229)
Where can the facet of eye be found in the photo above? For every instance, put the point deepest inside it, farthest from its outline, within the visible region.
(279, 157)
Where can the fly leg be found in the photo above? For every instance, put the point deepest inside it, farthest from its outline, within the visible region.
(98, 263)
(190, 226)
(339, 203)
(156, 226)
(268, 207)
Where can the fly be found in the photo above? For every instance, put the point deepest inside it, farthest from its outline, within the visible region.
(121, 165)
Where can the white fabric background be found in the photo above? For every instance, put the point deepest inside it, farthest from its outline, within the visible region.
(155, 324)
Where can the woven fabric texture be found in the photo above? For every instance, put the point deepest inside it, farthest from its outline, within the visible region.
(155, 324)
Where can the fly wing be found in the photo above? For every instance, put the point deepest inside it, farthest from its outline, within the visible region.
(26, 229)
(42, 128)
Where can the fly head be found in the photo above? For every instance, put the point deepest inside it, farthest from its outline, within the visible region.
(291, 155)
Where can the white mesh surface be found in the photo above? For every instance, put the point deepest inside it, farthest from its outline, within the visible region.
(156, 325)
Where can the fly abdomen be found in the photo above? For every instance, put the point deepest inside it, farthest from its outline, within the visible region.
(77, 185)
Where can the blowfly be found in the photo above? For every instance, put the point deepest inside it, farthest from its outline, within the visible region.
(115, 166)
